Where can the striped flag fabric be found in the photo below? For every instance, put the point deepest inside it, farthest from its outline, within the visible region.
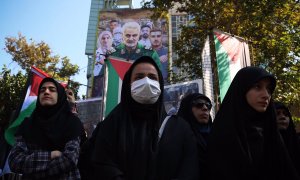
(208, 86)
(34, 79)
(232, 54)
(115, 69)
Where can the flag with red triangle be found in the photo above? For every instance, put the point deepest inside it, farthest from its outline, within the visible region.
(232, 54)
(115, 69)
(34, 79)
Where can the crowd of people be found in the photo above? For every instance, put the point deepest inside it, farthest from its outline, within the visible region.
(129, 42)
(251, 137)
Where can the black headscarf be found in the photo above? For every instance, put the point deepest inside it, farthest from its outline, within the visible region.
(245, 144)
(126, 144)
(51, 127)
(185, 111)
(290, 137)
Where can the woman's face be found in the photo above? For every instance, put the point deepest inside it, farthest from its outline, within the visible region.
(283, 119)
(259, 95)
(48, 94)
(144, 70)
(201, 113)
(106, 41)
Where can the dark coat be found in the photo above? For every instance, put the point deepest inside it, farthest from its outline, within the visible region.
(290, 138)
(185, 111)
(127, 147)
(245, 144)
(51, 127)
(177, 156)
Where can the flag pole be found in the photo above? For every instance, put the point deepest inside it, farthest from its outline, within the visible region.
(105, 84)
(214, 69)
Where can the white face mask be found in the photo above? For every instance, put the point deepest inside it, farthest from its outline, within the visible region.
(145, 91)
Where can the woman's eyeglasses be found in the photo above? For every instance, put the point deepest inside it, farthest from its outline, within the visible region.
(199, 103)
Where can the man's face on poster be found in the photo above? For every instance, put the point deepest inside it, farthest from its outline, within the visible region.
(156, 38)
(131, 37)
(145, 32)
(113, 25)
(118, 38)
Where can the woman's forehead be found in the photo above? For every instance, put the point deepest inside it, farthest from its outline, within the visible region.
(144, 68)
(48, 84)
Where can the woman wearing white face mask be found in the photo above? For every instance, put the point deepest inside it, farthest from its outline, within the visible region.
(128, 145)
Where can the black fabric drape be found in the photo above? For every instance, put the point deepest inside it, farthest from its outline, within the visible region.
(240, 136)
(126, 144)
(51, 127)
(185, 111)
(4, 150)
(290, 138)
(178, 155)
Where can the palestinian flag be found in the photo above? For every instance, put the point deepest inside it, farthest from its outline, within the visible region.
(208, 86)
(115, 69)
(232, 54)
(35, 77)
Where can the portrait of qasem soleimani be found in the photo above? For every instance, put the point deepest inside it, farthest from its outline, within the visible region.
(135, 34)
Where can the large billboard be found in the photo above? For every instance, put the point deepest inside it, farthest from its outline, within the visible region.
(129, 34)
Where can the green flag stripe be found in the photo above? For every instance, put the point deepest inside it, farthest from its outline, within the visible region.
(112, 89)
(223, 68)
(10, 132)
